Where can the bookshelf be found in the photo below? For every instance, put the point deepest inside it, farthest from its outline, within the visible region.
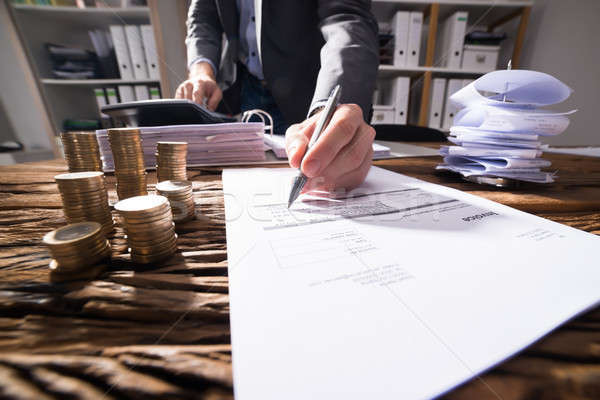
(482, 14)
(69, 26)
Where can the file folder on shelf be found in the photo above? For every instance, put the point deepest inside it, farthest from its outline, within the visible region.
(400, 88)
(449, 46)
(100, 98)
(150, 51)
(154, 93)
(138, 59)
(126, 93)
(121, 51)
(436, 107)
(111, 95)
(450, 110)
(400, 32)
(141, 92)
(415, 26)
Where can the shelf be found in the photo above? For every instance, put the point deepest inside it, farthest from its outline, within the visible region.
(481, 12)
(495, 3)
(77, 12)
(97, 82)
(391, 71)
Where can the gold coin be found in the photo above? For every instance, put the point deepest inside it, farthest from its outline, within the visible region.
(90, 272)
(141, 205)
(152, 248)
(72, 233)
(74, 250)
(135, 230)
(146, 259)
(174, 186)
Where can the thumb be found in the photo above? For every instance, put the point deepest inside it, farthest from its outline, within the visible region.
(215, 98)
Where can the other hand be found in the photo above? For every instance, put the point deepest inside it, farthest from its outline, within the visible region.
(341, 158)
(201, 87)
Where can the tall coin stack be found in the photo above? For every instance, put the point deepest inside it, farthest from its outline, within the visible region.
(180, 197)
(81, 151)
(85, 198)
(77, 250)
(171, 162)
(149, 227)
(126, 146)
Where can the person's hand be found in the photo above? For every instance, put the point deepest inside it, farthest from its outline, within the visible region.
(200, 87)
(341, 158)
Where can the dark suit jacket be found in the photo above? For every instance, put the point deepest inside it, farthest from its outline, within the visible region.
(306, 48)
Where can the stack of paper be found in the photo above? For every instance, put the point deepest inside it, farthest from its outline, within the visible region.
(208, 144)
(497, 132)
(276, 143)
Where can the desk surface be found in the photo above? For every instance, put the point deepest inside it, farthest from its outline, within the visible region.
(164, 332)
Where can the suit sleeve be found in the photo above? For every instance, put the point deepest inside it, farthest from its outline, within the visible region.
(350, 54)
(204, 33)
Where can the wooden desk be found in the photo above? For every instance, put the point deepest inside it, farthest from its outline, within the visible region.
(164, 333)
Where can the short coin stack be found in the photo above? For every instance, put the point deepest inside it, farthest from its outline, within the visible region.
(171, 161)
(180, 197)
(77, 250)
(126, 146)
(149, 227)
(85, 198)
(81, 151)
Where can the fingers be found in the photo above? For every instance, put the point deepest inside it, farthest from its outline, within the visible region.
(338, 133)
(296, 140)
(200, 90)
(197, 92)
(353, 154)
(341, 184)
(214, 98)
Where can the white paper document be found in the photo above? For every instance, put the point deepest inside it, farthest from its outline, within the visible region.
(402, 289)
(381, 149)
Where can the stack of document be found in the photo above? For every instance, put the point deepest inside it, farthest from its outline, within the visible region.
(208, 144)
(497, 131)
(276, 143)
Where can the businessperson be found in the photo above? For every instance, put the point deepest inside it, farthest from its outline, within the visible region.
(285, 57)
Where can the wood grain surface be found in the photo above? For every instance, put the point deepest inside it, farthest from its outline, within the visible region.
(162, 332)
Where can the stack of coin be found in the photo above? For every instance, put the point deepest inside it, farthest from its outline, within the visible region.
(171, 161)
(85, 198)
(180, 197)
(78, 251)
(81, 151)
(149, 226)
(126, 146)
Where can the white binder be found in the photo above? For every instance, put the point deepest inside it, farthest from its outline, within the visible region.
(454, 85)
(154, 92)
(141, 92)
(111, 95)
(415, 26)
(150, 51)
(126, 93)
(449, 46)
(122, 51)
(100, 97)
(138, 59)
(400, 31)
(400, 88)
(436, 106)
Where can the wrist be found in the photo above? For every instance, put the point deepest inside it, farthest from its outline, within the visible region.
(202, 69)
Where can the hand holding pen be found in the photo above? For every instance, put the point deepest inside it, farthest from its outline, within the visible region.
(340, 158)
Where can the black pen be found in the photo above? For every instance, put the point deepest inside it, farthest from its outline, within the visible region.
(332, 103)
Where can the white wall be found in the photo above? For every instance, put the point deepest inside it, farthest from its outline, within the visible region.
(562, 39)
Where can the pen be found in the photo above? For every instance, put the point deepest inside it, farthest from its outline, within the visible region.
(300, 180)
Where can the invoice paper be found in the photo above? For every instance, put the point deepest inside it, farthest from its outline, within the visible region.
(400, 289)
